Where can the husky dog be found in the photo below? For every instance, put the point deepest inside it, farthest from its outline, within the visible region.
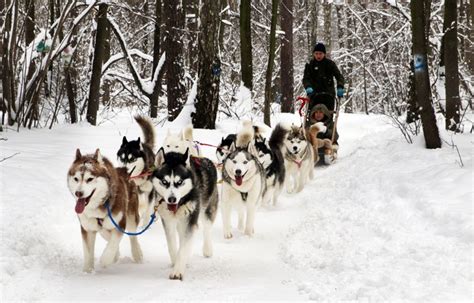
(223, 149)
(181, 142)
(271, 158)
(138, 157)
(189, 193)
(243, 183)
(93, 181)
(299, 159)
(317, 143)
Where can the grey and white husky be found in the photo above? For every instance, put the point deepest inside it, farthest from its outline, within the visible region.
(271, 157)
(243, 183)
(299, 159)
(189, 195)
(139, 159)
(93, 181)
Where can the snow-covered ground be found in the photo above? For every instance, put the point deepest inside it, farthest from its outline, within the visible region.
(389, 221)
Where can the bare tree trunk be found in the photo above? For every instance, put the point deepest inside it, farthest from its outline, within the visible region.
(3, 105)
(450, 39)
(327, 27)
(70, 73)
(207, 99)
(191, 9)
(313, 22)
(29, 37)
(422, 82)
(271, 59)
(174, 22)
(286, 56)
(156, 59)
(9, 50)
(94, 91)
(246, 44)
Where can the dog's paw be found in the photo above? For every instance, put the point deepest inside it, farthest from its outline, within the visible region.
(207, 250)
(175, 275)
(88, 269)
(228, 235)
(107, 258)
(249, 232)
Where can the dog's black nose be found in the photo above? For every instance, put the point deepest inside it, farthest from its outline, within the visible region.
(295, 147)
(238, 172)
(172, 200)
(79, 194)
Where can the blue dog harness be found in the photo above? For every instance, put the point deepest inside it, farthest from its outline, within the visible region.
(109, 212)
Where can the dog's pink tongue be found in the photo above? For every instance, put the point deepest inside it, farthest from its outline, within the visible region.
(173, 207)
(238, 180)
(80, 205)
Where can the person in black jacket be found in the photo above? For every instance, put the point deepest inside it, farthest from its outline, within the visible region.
(318, 79)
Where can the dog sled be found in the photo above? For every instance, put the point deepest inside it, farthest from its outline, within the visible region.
(327, 155)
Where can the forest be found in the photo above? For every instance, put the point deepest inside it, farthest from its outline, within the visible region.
(70, 61)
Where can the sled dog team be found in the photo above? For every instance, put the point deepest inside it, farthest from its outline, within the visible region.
(181, 186)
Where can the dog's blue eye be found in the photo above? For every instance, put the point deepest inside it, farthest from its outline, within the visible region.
(179, 183)
(165, 183)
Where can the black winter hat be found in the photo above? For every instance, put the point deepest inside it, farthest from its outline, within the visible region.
(319, 47)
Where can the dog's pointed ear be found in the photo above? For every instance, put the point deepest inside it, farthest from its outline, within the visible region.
(252, 150)
(124, 140)
(160, 157)
(232, 147)
(138, 140)
(222, 140)
(78, 154)
(98, 156)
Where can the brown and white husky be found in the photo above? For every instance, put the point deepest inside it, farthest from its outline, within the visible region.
(94, 181)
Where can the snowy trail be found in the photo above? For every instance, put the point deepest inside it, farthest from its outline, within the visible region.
(375, 226)
(377, 232)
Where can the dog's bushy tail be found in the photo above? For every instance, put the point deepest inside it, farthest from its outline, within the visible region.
(244, 137)
(277, 137)
(148, 130)
(188, 133)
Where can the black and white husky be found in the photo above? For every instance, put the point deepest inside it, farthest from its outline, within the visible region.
(139, 159)
(243, 183)
(223, 148)
(189, 195)
(299, 159)
(271, 157)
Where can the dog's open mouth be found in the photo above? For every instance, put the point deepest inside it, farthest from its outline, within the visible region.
(81, 203)
(172, 207)
(239, 179)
